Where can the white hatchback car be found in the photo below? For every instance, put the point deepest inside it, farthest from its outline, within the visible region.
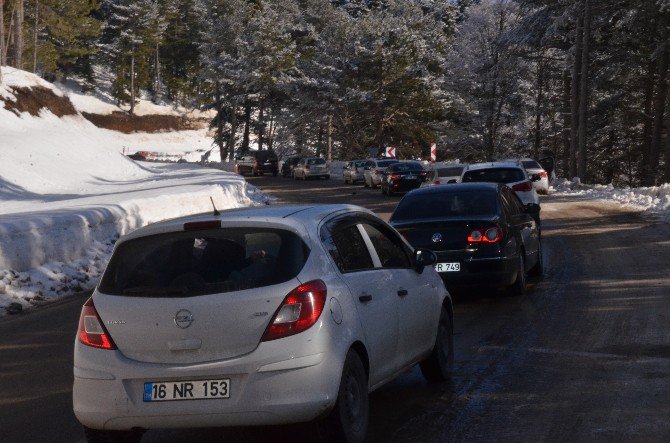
(257, 316)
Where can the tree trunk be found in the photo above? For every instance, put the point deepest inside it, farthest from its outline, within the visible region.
(538, 108)
(18, 35)
(329, 143)
(157, 74)
(37, 25)
(219, 122)
(247, 122)
(2, 37)
(261, 125)
(659, 111)
(647, 120)
(233, 132)
(132, 82)
(566, 122)
(666, 157)
(584, 93)
(319, 140)
(574, 95)
(271, 132)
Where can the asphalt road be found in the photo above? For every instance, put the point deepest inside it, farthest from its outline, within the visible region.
(584, 355)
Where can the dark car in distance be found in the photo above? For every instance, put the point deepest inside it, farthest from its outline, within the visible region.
(402, 177)
(482, 234)
(288, 165)
(258, 163)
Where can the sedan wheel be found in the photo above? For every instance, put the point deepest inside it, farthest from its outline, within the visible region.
(348, 422)
(537, 270)
(519, 285)
(439, 364)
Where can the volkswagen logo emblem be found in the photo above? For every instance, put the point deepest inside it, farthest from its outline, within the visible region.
(183, 319)
(437, 237)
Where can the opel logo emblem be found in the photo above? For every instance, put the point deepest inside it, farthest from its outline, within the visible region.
(437, 237)
(183, 319)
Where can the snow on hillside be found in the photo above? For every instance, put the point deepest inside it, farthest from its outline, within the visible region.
(654, 200)
(67, 193)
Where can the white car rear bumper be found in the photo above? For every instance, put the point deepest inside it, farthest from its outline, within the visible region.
(266, 388)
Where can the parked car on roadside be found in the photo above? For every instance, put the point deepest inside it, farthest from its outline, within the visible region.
(402, 177)
(288, 165)
(442, 174)
(258, 163)
(373, 171)
(353, 171)
(257, 316)
(481, 233)
(533, 168)
(311, 167)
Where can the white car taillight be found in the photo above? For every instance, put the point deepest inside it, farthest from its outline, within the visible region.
(91, 331)
(298, 312)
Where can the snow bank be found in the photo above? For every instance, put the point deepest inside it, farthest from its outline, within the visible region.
(654, 200)
(67, 193)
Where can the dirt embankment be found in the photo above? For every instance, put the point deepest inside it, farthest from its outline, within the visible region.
(126, 123)
(32, 100)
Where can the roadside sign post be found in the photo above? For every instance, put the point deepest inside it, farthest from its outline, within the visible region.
(390, 152)
(433, 152)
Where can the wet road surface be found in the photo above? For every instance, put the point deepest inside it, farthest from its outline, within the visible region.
(584, 355)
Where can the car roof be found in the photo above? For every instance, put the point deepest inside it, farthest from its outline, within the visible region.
(491, 165)
(290, 215)
(455, 187)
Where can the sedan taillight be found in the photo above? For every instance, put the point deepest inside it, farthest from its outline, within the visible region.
(543, 174)
(523, 187)
(298, 312)
(91, 331)
(490, 235)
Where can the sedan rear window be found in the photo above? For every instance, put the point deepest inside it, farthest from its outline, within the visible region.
(450, 172)
(386, 163)
(405, 167)
(446, 204)
(531, 164)
(495, 175)
(316, 161)
(190, 263)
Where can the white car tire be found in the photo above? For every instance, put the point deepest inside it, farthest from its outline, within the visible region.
(348, 421)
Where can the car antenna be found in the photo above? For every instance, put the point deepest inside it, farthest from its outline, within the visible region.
(216, 211)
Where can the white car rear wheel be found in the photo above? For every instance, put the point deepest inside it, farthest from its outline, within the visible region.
(348, 421)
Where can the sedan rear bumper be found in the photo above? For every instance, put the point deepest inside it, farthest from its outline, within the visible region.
(481, 272)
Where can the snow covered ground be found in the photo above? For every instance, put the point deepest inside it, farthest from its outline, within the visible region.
(653, 200)
(67, 193)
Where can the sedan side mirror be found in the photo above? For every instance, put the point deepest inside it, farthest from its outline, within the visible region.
(452, 181)
(423, 258)
(532, 208)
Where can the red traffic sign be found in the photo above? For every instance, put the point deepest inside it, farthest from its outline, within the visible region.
(433, 152)
(390, 152)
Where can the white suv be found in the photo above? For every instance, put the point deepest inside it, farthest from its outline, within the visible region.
(510, 173)
(258, 316)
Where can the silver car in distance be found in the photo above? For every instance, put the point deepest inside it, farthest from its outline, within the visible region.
(257, 316)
